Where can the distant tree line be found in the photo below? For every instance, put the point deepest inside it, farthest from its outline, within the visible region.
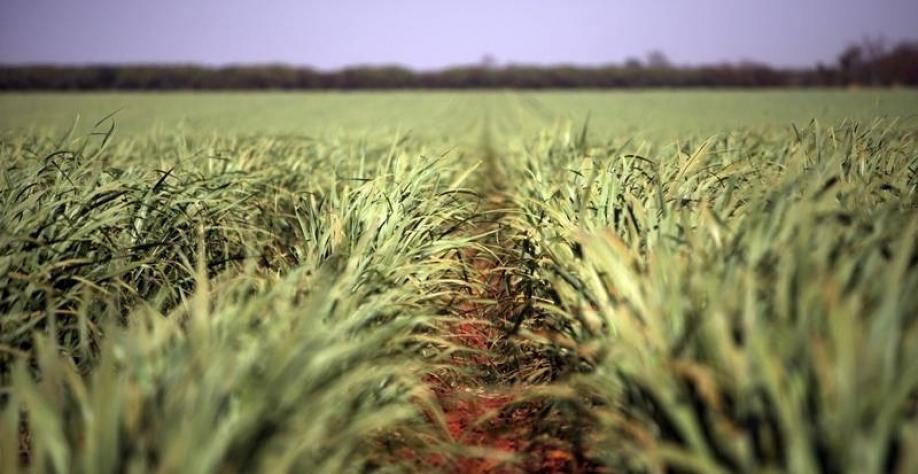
(869, 63)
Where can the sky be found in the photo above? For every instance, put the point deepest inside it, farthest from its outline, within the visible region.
(431, 34)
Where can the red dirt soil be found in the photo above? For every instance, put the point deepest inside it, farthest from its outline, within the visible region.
(489, 416)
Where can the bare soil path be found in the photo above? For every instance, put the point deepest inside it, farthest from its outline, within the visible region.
(486, 395)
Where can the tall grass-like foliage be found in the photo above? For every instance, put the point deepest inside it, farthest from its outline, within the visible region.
(225, 305)
(232, 303)
(744, 303)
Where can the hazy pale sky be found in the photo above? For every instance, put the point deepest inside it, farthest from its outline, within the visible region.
(429, 34)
